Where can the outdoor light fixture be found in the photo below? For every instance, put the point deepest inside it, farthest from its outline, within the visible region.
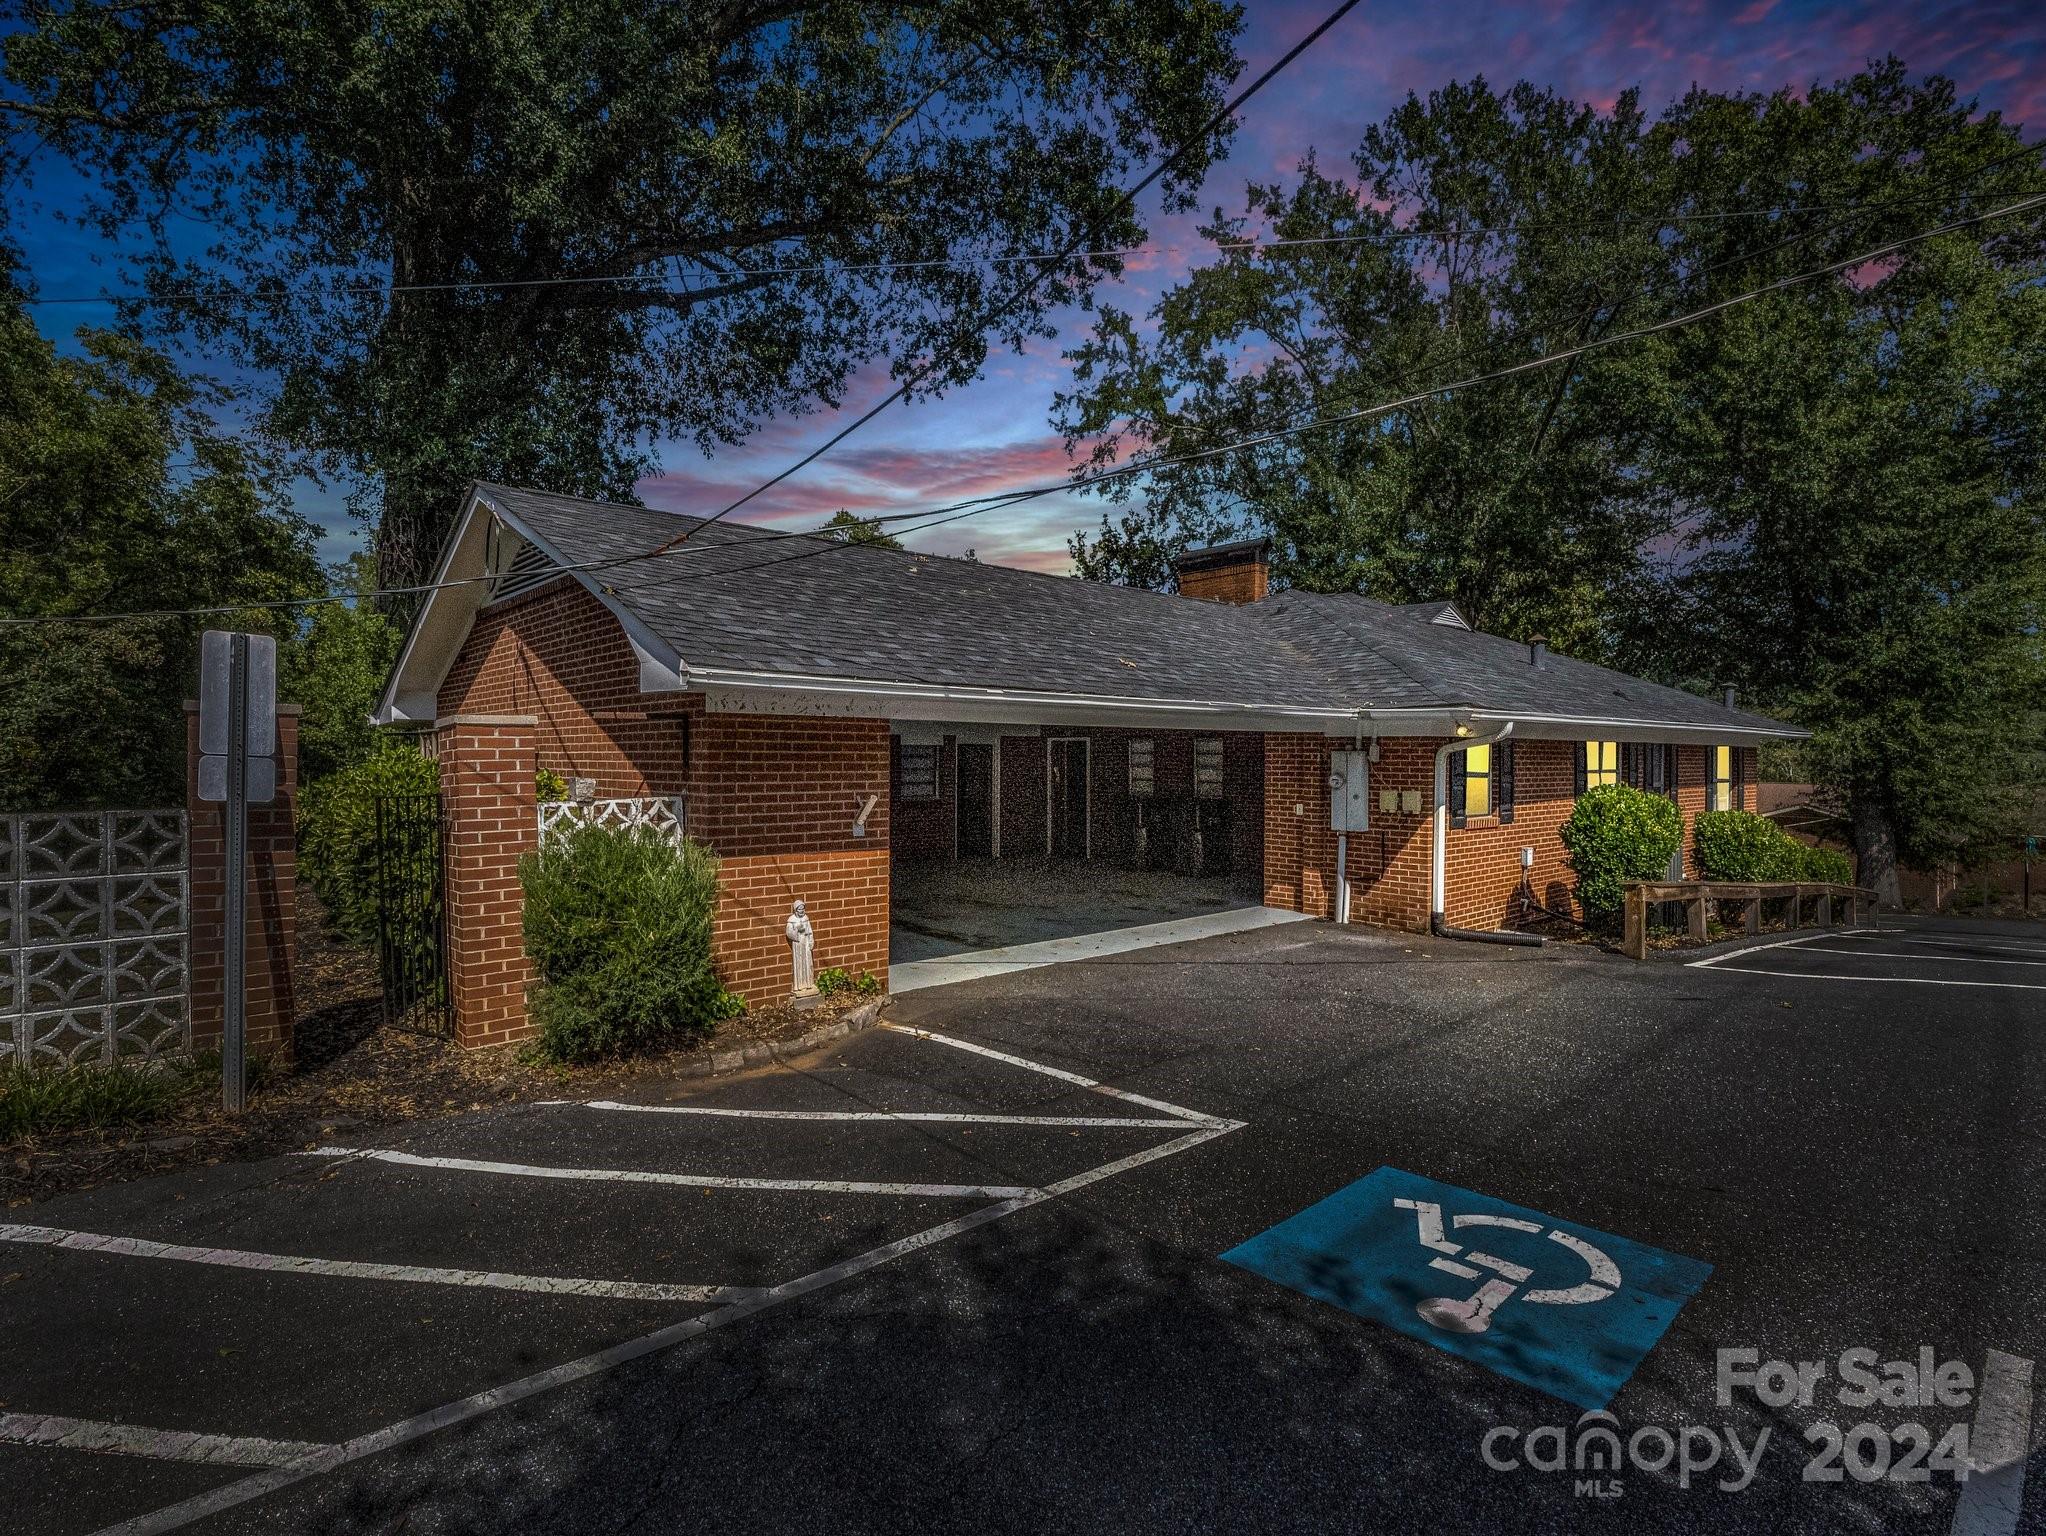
(1462, 730)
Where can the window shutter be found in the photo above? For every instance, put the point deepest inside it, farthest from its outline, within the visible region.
(1457, 769)
(1502, 780)
(1583, 751)
(1738, 772)
(1669, 770)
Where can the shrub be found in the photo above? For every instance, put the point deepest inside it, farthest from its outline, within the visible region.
(618, 926)
(337, 830)
(837, 979)
(1615, 835)
(1824, 864)
(1740, 845)
(549, 785)
(37, 1099)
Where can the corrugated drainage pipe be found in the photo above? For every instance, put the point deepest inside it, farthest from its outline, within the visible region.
(1438, 877)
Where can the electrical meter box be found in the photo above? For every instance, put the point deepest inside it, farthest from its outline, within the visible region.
(1349, 792)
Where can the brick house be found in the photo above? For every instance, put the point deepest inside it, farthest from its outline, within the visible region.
(832, 715)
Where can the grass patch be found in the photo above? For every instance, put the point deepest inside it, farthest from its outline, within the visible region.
(39, 1099)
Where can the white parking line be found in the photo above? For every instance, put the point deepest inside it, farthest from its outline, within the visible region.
(914, 1117)
(349, 1269)
(2019, 948)
(1203, 1128)
(1993, 1497)
(1911, 981)
(161, 1444)
(690, 1180)
(1734, 954)
(1892, 954)
(1057, 1072)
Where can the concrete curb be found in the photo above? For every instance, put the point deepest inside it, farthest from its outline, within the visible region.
(864, 1017)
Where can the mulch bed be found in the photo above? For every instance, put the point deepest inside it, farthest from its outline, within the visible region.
(351, 1075)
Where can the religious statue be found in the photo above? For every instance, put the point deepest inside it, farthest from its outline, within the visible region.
(800, 939)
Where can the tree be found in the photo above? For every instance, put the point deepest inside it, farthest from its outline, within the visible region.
(1863, 462)
(1459, 249)
(118, 494)
(687, 202)
(1830, 496)
(860, 530)
(337, 670)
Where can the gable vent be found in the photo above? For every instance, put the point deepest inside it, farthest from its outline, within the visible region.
(1450, 617)
(526, 570)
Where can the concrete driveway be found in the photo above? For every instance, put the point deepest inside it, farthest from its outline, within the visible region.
(1136, 1246)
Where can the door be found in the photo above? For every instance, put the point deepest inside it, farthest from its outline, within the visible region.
(1067, 790)
(976, 805)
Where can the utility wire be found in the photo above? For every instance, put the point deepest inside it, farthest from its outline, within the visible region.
(1251, 246)
(933, 517)
(903, 390)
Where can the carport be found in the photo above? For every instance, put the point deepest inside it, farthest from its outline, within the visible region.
(1030, 844)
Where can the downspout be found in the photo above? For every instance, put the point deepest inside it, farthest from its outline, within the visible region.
(1343, 841)
(1438, 860)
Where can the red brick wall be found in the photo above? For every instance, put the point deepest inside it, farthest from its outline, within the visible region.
(1246, 581)
(270, 927)
(1388, 865)
(923, 828)
(780, 794)
(773, 797)
(1299, 848)
(557, 654)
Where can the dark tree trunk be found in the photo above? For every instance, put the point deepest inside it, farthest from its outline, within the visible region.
(1875, 851)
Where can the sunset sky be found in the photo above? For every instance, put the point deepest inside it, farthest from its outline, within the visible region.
(995, 433)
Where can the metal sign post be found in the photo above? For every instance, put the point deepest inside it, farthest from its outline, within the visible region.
(237, 765)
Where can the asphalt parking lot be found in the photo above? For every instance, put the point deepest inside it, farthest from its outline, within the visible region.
(981, 1280)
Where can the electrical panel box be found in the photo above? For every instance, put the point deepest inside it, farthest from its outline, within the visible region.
(1349, 794)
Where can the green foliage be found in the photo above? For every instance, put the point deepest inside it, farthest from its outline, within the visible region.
(1824, 864)
(1617, 834)
(549, 785)
(834, 979)
(1740, 845)
(35, 1100)
(328, 150)
(337, 830)
(618, 926)
(1837, 485)
(120, 494)
(337, 671)
(854, 529)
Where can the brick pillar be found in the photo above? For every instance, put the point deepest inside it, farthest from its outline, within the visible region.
(486, 786)
(271, 870)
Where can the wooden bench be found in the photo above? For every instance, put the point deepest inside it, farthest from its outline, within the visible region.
(1855, 903)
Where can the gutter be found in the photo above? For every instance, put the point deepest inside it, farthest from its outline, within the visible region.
(1438, 876)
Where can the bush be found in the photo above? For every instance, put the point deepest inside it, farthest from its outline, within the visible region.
(1740, 845)
(618, 926)
(38, 1099)
(837, 979)
(337, 830)
(1616, 835)
(1824, 864)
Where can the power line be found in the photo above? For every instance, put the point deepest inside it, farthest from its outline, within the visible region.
(933, 517)
(1129, 195)
(1251, 246)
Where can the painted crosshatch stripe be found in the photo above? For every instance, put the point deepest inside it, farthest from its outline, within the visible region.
(1564, 1308)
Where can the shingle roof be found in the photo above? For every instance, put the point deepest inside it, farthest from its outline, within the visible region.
(742, 599)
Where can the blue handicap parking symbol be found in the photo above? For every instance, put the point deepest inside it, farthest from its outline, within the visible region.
(1561, 1307)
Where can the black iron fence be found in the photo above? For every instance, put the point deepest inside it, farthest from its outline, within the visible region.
(412, 934)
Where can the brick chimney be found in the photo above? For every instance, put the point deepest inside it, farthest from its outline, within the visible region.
(1226, 573)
